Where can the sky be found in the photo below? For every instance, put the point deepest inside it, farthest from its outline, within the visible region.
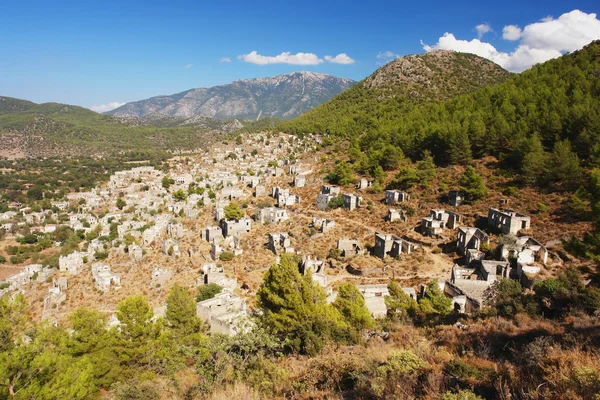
(101, 54)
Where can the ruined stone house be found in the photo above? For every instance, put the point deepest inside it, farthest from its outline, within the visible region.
(323, 224)
(104, 277)
(280, 243)
(271, 215)
(394, 215)
(349, 247)
(236, 226)
(393, 197)
(438, 220)
(351, 201)
(507, 221)
(456, 198)
(470, 238)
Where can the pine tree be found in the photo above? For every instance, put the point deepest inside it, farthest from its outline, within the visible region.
(135, 315)
(181, 310)
(233, 211)
(435, 301)
(294, 307)
(564, 165)
(459, 148)
(342, 174)
(351, 304)
(472, 184)
(399, 304)
(426, 168)
(534, 160)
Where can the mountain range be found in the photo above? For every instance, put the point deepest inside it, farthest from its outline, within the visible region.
(283, 96)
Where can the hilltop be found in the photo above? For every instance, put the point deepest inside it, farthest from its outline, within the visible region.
(283, 96)
(395, 88)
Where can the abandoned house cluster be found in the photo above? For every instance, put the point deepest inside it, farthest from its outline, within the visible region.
(154, 221)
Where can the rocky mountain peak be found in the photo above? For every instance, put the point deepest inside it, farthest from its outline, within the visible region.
(283, 96)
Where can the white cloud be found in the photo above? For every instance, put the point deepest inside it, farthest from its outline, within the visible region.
(225, 59)
(511, 32)
(284, 58)
(188, 66)
(106, 107)
(482, 29)
(539, 42)
(341, 58)
(387, 55)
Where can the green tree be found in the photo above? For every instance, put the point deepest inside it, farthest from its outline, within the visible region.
(379, 175)
(459, 148)
(435, 302)
(12, 320)
(564, 165)
(406, 178)
(233, 211)
(351, 304)
(181, 310)
(508, 299)
(179, 195)
(208, 291)
(342, 174)
(166, 182)
(426, 169)
(399, 304)
(35, 193)
(534, 161)
(135, 314)
(121, 203)
(294, 307)
(89, 338)
(471, 183)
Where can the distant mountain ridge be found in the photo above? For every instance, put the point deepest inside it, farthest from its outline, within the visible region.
(283, 96)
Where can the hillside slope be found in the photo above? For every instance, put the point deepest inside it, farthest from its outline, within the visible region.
(396, 87)
(282, 96)
(53, 129)
(544, 122)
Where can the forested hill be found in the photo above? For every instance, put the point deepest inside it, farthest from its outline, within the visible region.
(52, 129)
(396, 88)
(549, 114)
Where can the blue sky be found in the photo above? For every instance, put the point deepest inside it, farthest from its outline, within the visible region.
(94, 53)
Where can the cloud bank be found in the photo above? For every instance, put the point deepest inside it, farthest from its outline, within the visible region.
(225, 59)
(293, 59)
(106, 107)
(284, 58)
(538, 42)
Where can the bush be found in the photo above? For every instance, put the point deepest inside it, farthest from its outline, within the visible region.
(101, 255)
(337, 202)
(208, 291)
(510, 191)
(226, 256)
